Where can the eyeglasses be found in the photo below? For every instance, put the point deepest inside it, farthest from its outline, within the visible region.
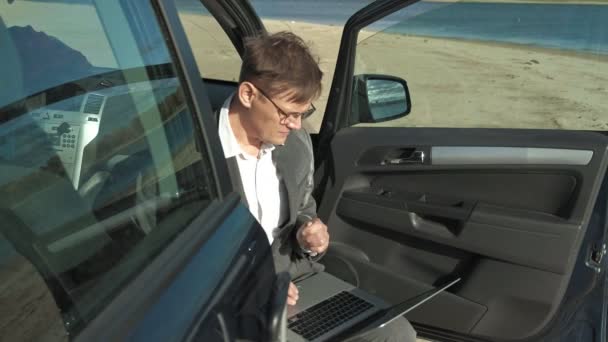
(284, 115)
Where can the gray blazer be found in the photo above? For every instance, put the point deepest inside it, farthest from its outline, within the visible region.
(295, 163)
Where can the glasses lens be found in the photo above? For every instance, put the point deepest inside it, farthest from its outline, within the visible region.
(297, 116)
(309, 112)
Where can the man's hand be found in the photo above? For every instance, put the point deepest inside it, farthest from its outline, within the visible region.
(292, 294)
(313, 236)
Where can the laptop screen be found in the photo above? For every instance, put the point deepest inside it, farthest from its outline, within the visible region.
(386, 316)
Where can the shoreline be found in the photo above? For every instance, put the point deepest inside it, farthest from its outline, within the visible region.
(562, 51)
(365, 34)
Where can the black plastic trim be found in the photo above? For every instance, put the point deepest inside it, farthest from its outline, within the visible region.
(130, 305)
(237, 18)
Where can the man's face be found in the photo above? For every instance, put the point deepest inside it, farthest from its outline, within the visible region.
(273, 118)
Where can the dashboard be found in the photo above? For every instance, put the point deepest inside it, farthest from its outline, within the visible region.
(33, 139)
(62, 129)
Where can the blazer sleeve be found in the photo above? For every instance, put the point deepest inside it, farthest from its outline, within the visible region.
(308, 207)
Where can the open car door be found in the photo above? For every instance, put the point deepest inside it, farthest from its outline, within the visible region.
(493, 170)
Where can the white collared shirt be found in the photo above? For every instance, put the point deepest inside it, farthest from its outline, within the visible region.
(263, 186)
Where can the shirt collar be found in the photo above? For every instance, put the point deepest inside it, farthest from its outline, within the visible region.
(230, 145)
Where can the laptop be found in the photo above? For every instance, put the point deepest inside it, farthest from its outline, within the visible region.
(329, 308)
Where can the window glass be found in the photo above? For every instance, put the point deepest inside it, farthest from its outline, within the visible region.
(99, 162)
(213, 51)
(496, 64)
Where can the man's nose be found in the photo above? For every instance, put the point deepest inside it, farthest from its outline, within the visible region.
(294, 123)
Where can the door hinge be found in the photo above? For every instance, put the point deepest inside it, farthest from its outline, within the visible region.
(595, 256)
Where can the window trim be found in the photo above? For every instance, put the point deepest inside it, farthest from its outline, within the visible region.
(127, 310)
(237, 18)
(195, 91)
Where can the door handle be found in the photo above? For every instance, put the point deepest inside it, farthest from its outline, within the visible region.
(429, 227)
(416, 157)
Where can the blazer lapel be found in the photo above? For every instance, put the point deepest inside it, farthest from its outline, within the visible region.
(283, 162)
(235, 177)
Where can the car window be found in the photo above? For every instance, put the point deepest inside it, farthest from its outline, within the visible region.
(99, 162)
(213, 51)
(504, 65)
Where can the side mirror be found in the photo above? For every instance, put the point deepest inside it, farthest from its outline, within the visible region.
(380, 98)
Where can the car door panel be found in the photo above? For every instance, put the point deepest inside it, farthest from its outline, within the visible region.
(499, 232)
(504, 209)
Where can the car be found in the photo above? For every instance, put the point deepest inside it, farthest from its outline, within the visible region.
(119, 220)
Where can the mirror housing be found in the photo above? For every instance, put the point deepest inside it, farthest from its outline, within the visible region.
(380, 98)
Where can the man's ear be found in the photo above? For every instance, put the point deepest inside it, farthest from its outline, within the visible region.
(246, 94)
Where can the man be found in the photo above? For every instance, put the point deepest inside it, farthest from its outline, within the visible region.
(261, 135)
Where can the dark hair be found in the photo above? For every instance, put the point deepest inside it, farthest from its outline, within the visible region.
(281, 62)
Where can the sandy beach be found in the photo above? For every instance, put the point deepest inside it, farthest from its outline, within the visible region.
(472, 84)
(456, 83)
(453, 83)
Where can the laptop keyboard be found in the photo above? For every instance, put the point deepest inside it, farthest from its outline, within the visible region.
(326, 315)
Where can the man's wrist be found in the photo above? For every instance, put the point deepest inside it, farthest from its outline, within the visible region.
(308, 251)
(303, 249)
